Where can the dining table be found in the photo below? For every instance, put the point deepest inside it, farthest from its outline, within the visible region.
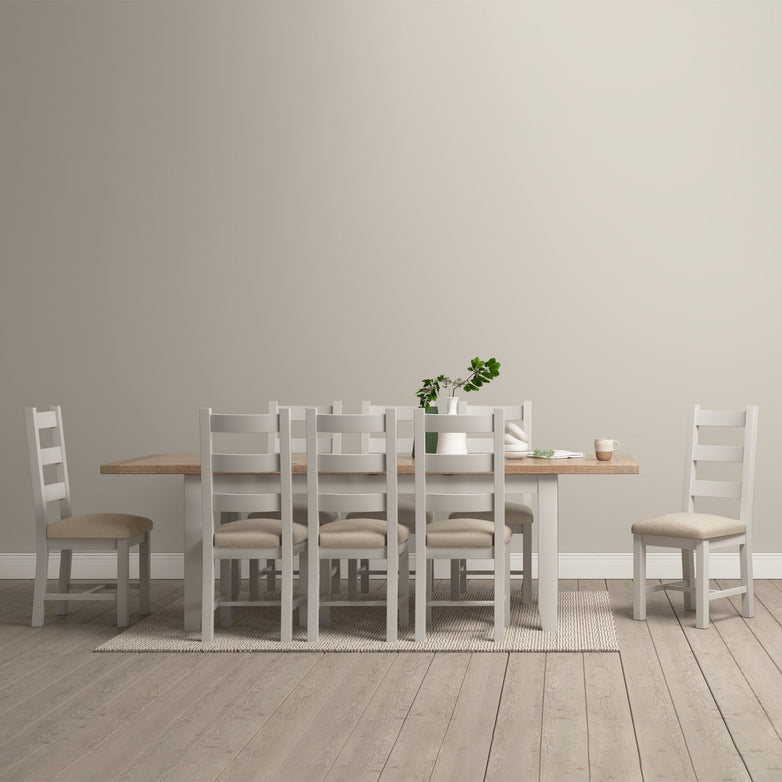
(527, 475)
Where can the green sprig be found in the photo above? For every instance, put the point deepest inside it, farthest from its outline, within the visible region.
(480, 373)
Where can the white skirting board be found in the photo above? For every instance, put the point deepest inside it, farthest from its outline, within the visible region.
(97, 565)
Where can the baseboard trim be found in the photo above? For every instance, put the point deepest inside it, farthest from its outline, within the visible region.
(97, 565)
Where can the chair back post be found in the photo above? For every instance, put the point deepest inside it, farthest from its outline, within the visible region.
(690, 443)
(286, 484)
(419, 434)
(748, 468)
(392, 507)
(207, 515)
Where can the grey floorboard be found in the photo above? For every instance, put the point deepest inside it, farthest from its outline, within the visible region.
(674, 704)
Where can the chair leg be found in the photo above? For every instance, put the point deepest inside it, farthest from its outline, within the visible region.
(639, 578)
(303, 587)
(499, 595)
(352, 579)
(429, 591)
(253, 584)
(271, 578)
(688, 576)
(421, 580)
(66, 558)
(325, 589)
(365, 575)
(526, 584)
(507, 584)
(286, 598)
(748, 598)
(392, 591)
(462, 575)
(702, 584)
(144, 575)
(455, 578)
(336, 576)
(313, 589)
(123, 582)
(225, 592)
(236, 578)
(404, 587)
(41, 569)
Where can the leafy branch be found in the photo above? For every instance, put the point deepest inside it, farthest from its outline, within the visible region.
(480, 373)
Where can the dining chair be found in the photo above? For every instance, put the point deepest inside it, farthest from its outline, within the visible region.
(697, 534)
(519, 516)
(298, 446)
(465, 537)
(361, 536)
(406, 504)
(248, 538)
(57, 529)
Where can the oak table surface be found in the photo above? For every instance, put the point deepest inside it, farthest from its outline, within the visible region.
(190, 464)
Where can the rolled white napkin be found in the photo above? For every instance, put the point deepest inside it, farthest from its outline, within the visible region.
(515, 433)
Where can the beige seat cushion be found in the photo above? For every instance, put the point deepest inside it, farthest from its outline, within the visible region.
(406, 514)
(299, 514)
(363, 532)
(99, 525)
(462, 533)
(255, 533)
(698, 526)
(517, 516)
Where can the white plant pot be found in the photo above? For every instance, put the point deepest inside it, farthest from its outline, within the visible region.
(452, 442)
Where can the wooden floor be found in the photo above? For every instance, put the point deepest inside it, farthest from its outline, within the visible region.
(675, 704)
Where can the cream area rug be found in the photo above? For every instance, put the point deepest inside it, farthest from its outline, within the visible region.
(586, 624)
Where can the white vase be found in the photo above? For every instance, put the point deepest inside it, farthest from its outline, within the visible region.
(452, 442)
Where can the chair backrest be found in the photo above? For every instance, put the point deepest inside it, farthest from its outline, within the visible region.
(464, 496)
(298, 413)
(48, 467)
(518, 414)
(383, 466)
(377, 444)
(245, 496)
(698, 452)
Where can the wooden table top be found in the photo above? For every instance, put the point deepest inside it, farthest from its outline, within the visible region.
(190, 464)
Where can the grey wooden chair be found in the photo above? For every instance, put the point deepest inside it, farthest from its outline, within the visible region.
(467, 537)
(245, 538)
(519, 516)
(361, 536)
(298, 446)
(57, 529)
(406, 504)
(700, 533)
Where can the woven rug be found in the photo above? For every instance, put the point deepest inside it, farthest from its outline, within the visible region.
(586, 624)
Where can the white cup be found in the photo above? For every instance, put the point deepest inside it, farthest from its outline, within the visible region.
(604, 448)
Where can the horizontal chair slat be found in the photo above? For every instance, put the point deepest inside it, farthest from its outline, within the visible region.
(721, 418)
(719, 453)
(47, 420)
(351, 462)
(470, 503)
(54, 491)
(240, 503)
(474, 462)
(458, 423)
(51, 455)
(245, 462)
(725, 489)
(351, 424)
(241, 423)
(352, 503)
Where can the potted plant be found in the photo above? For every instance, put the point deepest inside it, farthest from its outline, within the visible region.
(480, 373)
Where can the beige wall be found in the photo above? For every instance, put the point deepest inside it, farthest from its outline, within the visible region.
(218, 204)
